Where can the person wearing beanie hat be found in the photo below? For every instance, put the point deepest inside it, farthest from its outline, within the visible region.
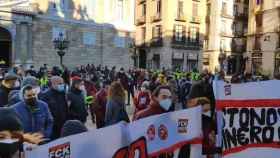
(7, 85)
(72, 127)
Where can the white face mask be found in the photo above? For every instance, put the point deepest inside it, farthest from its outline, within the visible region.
(165, 104)
(143, 88)
(37, 90)
(82, 88)
(17, 84)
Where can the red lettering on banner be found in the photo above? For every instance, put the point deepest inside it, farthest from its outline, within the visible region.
(139, 146)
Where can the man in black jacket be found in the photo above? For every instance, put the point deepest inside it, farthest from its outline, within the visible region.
(6, 87)
(55, 97)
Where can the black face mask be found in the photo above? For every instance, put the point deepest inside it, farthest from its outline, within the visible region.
(31, 101)
(9, 149)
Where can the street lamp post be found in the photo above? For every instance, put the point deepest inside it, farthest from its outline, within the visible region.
(61, 44)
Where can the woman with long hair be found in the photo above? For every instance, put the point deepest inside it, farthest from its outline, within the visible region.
(115, 107)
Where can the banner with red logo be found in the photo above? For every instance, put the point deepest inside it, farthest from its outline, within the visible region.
(144, 138)
(249, 119)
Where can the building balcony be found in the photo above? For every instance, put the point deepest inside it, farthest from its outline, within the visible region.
(196, 20)
(257, 48)
(186, 45)
(181, 17)
(156, 42)
(141, 20)
(156, 18)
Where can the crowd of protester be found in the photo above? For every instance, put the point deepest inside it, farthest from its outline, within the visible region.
(39, 106)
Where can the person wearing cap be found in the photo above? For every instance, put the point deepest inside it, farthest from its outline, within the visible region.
(6, 87)
(34, 113)
(76, 101)
(55, 97)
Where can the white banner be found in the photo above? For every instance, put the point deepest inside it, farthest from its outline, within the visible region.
(249, 119)
(141, 139)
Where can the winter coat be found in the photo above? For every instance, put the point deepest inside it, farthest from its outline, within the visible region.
(58, 107)
(40, 120)
(153, 109)
(99, 108)
(4, 93)
(115, 112)
(77, 105)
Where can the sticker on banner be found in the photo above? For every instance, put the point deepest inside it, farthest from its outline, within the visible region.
(60, 151)
(227, 90)
(163, 132)
(151, 132)
(183, 125)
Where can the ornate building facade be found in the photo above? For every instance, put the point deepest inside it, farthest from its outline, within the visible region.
(99, 31)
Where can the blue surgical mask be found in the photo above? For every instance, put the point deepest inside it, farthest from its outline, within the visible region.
(165, 104)
(61, 88)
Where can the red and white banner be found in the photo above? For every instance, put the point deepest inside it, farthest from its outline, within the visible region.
(249, 119)
(141, 139)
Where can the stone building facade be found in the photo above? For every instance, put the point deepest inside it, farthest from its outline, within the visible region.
(263, 39)
(225, 41)
(170, 33)
(99, 31)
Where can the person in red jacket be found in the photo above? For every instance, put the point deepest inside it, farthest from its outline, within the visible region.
(161, 103)
(99, 107)
(142, 100)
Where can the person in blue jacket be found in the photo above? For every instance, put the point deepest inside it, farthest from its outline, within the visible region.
(33, 113)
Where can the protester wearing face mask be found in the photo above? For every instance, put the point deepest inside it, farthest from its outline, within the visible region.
(142, 100)
(161, 103)
(55, 97)
(34, 113)
(12, 136)
(7, 85)
(76, 101)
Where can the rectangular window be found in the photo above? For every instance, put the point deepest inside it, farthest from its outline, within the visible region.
(235, 10)
(158, 6)
(157, 32)
(89, 38)
(180, 8)
(144, 9)
(259, 21)
(194, 35)
(179, 33)
(195, 9)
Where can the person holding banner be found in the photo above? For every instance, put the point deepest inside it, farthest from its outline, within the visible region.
(115, 108)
